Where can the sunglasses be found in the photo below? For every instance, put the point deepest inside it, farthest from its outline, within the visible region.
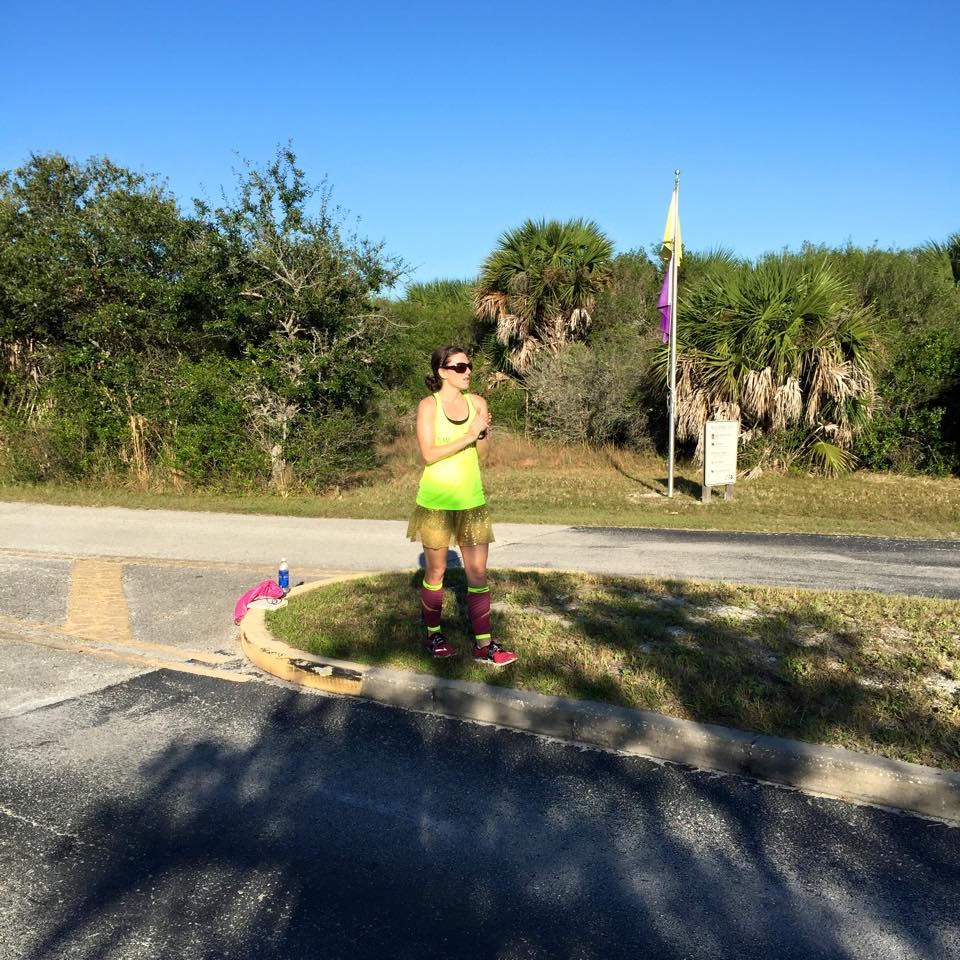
(458, 367)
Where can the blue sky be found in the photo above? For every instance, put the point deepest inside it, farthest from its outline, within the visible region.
(440, 125)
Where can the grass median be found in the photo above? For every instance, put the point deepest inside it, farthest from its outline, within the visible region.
(866, 671)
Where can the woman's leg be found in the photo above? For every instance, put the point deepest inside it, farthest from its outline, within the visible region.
(478, 593)
(475, 564)
(434, 565)
(485, 648)
(431, 590)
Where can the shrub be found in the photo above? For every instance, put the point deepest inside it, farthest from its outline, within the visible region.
(332, 449)
(916, 427)
(592, 395)
(40, 451)
(631, 297)
(203, 425)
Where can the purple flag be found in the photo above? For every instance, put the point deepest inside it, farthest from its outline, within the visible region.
(663, 305)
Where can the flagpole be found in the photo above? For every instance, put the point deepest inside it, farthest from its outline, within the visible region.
(672, 399)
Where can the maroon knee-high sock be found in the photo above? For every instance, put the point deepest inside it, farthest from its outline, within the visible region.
(478, 606)
(431, 599)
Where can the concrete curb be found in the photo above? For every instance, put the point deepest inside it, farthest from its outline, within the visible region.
(826, 771)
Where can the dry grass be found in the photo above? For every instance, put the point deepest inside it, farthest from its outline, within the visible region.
(864, 671)
(530, 482)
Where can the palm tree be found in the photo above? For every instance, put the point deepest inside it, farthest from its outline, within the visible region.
(775, 346)
(949, 252)
(540, 285)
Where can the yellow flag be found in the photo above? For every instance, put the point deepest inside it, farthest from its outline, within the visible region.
(672, 229)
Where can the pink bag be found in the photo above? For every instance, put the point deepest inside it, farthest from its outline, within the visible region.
(266, 588)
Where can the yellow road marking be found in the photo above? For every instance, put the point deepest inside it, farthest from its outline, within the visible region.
(98, 619)
(97, 607)
(185, 653)
(132, 658)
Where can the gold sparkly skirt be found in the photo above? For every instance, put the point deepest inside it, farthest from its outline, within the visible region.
(435, 529)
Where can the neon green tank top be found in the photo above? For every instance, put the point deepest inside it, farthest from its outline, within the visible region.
(452, 483)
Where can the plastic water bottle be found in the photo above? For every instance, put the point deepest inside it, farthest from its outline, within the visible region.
(283, 577)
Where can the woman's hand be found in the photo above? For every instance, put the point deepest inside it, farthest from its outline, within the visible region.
(480, 427)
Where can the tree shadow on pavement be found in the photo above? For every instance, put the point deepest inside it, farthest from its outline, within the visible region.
(268, 823)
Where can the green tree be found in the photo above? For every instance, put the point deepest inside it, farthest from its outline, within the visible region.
(315, 338)
(916, 299)
(91, 257)
(93, 264)
(917, 424)
(540, 286)
(777, 346)
(427, 316)
(224, 347)
(630, 297)
(305, 273)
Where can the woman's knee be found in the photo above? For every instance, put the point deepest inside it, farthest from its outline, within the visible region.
(434, 565)
(475, 566)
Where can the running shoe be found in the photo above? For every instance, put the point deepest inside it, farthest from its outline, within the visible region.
(438, 646)
(493, 655)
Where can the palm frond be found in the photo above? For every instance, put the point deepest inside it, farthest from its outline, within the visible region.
(546, 275)
(831, 460)
(692, 413)
(783, 342)
(948, 253)
(787, 404)
(757, 393)
(489, 304)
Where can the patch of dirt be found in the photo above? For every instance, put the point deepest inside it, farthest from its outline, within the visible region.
(818, 638)
(731, 613)
(894, 639)
(945, 686)
(498, 606)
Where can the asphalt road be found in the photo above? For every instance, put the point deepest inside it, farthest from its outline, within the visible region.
(922, 567)
(159, 797)
(181, 816)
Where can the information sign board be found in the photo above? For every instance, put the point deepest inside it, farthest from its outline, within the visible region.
(720, 452)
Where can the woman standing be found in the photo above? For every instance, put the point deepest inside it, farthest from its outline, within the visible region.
(453, 433)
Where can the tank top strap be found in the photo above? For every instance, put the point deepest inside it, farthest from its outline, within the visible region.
(441, 414)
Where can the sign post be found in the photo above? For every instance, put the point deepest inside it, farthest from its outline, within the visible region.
(720, 439)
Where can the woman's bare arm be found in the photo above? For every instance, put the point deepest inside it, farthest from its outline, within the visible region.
(430, 451)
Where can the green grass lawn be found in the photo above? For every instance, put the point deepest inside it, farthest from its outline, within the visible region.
(865, 671)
